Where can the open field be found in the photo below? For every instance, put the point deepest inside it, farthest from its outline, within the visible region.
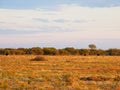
(60, 73)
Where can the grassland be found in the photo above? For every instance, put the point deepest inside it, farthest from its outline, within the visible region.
(60, 73)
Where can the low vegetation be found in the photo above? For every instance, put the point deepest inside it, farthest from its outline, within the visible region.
(59, 72)
(65, 51)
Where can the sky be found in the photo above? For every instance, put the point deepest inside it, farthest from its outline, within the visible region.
(59, 23)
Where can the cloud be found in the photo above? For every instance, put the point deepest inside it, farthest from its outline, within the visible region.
(16, 32)
(2, 22)
(66, 25)
(66, 18)
(41, 20)
(60, 21)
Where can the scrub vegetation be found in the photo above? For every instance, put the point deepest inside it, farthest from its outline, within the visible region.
(64, 51)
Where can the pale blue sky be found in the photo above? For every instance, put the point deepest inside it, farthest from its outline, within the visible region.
(32, 4)
(60, 23)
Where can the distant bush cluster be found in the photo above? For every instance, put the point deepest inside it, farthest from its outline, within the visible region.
(54, 51)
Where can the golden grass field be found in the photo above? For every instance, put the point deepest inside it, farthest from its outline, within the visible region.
(60, 73)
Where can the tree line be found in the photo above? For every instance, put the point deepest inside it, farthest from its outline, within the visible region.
(54, 51)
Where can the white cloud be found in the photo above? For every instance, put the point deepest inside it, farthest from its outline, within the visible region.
(84, 22)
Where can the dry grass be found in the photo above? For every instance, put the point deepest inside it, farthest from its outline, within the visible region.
(60, 73)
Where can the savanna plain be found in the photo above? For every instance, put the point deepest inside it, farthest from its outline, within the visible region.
(22, 72)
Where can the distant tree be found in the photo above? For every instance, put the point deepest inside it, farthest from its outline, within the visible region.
(63, 52)
(93, 52)
(113, 52)
(50, 51)
(37, 51)
(84, 52)
(101, 52)
(7, 51)
(21, 51)
(92, 46)
(28, 51)
(72, 51)
(2, 51)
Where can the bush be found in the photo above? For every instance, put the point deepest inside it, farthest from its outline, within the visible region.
(39, 58)
(49, 51)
